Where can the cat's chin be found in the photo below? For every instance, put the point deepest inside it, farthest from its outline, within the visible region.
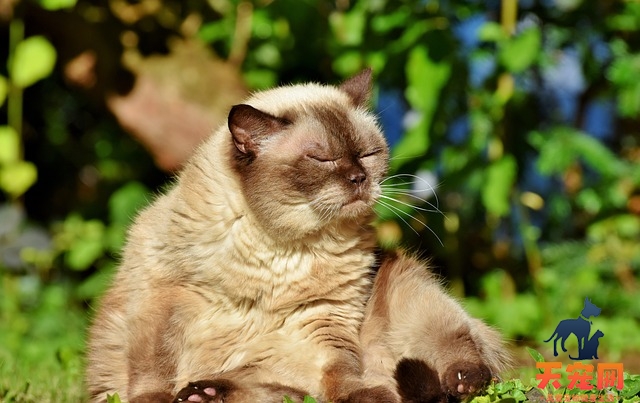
(355, 208)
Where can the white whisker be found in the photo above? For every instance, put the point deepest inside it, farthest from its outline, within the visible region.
(395, 210)
(434, 207)
(426, 210)
(412, 192)
(391, 191)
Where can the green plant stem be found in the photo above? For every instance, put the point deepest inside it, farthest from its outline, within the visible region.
(508, 19)
(14, 100)
(509, 15)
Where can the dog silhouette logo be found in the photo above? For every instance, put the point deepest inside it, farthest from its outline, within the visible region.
(581, 328)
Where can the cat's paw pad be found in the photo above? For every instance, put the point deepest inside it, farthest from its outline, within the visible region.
(203, 392)
(418, 382)
(464, 378)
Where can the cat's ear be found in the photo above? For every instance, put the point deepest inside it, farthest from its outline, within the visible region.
(358, 87)
(249, 126)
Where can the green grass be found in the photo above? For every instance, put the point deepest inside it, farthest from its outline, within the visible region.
(42, 335)
(41, 343)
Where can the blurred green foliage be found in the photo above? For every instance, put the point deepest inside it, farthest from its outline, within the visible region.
(534, 211)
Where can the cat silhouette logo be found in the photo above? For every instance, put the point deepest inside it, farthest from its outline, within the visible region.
(581, 328)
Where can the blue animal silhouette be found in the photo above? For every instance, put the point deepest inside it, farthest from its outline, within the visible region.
(590, 349)
(580, 327)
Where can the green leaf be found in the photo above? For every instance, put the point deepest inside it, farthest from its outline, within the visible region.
(348, 63)
(492, 32)
(260, 79)
(83, 253)
(535, 355)
(618, 226)
(87, 242)
(503, 387)
(125, 202)
(426, 78)
(96, 283)
(519, 395)
(384, 22)
(4, 89)
(519, 52)
(16, 178)
(287, 399)
(631, 388)
(113, 398)
(562, 146)
(309, 399)
(9, 145)
(496, 192)
(348, 27)
(57, 4)
(33, 60)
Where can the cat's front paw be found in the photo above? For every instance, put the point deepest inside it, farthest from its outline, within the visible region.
(378, 394)
(462, 379)
(204, 392)
(418, 382)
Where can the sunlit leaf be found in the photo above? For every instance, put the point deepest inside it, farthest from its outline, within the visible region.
(4, 89)
(496, 192)
(563, 146)
(259, 79)
(492, 32)
(631, 387)
(126, 201)
(384, 22)
(57, 4)
(519, 52)
(618, 226)
(113, 398)
(9, 145)
(95, 284)
(33, 60)
(18, 177)
(83, 253)
(348, 27)
(426, 78)
(348, 63)
(537, 357)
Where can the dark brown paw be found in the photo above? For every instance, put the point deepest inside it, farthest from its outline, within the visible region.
(379, 394)
(418, 383)
(204, 392)
(153, 397)
(464, 378)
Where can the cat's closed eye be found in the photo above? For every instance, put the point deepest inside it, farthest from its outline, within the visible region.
(321, 158)
(370, 153)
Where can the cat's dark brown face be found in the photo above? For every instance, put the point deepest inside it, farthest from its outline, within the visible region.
(314, 159)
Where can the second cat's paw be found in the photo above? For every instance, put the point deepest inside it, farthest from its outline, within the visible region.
(204, 392)
(462, 379)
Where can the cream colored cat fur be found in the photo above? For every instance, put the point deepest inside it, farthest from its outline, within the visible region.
(252, 277)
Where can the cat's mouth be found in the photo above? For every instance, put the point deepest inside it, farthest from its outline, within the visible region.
(356, 205)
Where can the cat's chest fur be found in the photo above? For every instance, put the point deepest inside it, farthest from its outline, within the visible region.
(203, 236)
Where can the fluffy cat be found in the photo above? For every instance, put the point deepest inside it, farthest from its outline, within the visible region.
(253, 277)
